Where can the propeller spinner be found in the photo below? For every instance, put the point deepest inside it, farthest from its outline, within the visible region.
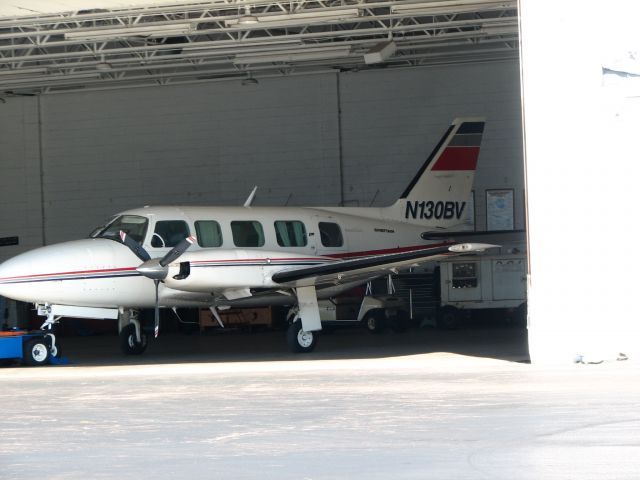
(156, 269)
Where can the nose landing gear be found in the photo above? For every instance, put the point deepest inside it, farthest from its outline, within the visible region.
(133, 341)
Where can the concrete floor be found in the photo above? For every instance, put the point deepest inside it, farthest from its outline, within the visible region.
(427, 404)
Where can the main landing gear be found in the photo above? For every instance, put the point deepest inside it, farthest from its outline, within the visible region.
(300, 341)
(305, 324)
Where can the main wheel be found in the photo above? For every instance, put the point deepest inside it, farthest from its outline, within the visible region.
(300, 341)
(129, 343)
(400, 322)
(36, 352)
(375, 321)
(449, 318)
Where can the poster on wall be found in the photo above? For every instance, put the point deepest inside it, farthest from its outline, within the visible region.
(500, 210)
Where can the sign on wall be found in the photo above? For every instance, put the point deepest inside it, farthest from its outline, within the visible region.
(500, 209)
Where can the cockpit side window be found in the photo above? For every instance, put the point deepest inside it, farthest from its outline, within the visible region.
(168, 233)
(133, 225)
(330, 234)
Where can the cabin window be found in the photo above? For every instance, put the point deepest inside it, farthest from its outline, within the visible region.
(330, 234)
(291, 233)
(169, 233)
(208, 233)
(247, 233)
(132, 225)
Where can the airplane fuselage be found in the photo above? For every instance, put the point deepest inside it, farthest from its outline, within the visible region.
(238, 249)
(217, 256)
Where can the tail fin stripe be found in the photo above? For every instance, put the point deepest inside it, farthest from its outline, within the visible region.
(471, 127)
(469, 140)
(457, 158)
(426, 164)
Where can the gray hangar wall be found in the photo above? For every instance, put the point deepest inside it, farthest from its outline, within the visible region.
(69, 161)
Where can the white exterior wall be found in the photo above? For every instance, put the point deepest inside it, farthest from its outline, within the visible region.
(103, 152)
(582, 172)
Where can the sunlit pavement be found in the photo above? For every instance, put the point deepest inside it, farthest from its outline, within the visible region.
(362, 406)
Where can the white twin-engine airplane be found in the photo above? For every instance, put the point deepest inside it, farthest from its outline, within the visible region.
(241, 256)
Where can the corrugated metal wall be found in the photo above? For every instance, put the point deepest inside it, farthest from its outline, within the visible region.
(102, 152)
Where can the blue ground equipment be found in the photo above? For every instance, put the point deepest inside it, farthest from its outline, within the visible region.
(33, 348)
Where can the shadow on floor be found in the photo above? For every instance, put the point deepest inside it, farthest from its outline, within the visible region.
(509, 344)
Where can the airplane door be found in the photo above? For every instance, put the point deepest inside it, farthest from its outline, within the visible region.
(328, 235)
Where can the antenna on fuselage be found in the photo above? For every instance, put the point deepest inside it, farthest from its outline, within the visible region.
(251, 196)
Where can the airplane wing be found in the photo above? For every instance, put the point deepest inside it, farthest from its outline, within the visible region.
(344, 271)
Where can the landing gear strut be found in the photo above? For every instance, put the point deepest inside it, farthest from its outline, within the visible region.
(133, 341)
(303, 332)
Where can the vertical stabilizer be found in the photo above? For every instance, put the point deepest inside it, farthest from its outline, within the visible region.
(438, 195)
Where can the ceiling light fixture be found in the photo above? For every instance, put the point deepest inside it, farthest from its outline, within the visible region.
(232, 47)
(291, 19)
(22, 71)
(103, 65)
(315, 53)
(156, 30)
(56, 78)
(451, 6)
(249, 80)
(247, 18)
(504, 29)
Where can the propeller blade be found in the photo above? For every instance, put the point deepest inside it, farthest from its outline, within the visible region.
(134, 246)
(178, 250)
(156, 328)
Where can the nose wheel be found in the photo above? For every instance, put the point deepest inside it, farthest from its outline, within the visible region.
(129, 343)
(36, 352)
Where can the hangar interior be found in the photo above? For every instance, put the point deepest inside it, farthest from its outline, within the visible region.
(72, 160)
(316, 103)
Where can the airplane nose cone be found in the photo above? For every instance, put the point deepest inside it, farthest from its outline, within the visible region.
(33, 276)
(10, 275)
(3, 273)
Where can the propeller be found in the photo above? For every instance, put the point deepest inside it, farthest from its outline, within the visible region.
(134, 246)
(156, 269)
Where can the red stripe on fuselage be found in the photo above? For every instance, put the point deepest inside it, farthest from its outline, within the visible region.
(108, 270)
(458, 158)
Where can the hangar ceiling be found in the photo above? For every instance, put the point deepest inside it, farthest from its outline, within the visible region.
(184, 42)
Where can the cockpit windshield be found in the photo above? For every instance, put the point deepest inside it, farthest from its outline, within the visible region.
(133, 225)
